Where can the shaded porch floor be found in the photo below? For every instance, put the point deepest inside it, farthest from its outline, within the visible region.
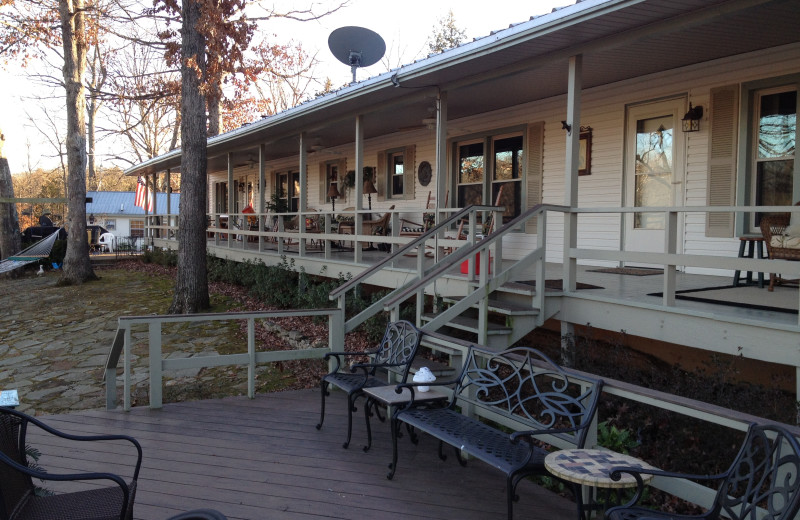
(264, 459)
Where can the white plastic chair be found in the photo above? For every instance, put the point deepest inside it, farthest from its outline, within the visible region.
(106, 242)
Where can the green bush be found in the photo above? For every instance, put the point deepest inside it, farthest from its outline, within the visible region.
(165, 257)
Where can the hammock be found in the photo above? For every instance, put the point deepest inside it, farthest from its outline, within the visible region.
(35, 253)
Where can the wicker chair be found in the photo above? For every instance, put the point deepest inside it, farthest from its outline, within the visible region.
(765, 473)
(774, 226)
(18, 500)
(395, 352)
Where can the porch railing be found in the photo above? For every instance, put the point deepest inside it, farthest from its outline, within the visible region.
(123, 343)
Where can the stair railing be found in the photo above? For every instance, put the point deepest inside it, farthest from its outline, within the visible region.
(418, 243)
(484, 286)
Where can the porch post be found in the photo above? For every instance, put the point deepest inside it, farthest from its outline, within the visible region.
(231, 195)
(359, 205)
(262, 188)
(571, 167)
(441, 162)
(303, 166)
(169, 202)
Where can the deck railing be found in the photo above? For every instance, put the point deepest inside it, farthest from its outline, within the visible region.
(123, 343)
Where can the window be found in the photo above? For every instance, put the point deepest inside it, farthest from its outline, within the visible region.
(396, 174)
(221, 196)
(137, 228)
(111, 224)
(504, 185)
(470, 174)
(507, 176)
(288, 190)
(774, 134)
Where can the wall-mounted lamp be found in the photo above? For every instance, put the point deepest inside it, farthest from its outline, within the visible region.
(91, 219)
(241, 186)
(691, 121)
(333, 193)
(567, 127)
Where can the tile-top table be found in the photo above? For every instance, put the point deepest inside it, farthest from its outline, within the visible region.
(593, 467)
(386, 396)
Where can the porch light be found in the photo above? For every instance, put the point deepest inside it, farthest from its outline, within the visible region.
(91, 219)
(369, 189)
(691, 121)
(333, 193)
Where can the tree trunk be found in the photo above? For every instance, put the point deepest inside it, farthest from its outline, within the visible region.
(10, 240)
(77, 265)
(191, 284)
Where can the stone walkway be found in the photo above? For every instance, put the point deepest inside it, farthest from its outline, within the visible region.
(54, 341)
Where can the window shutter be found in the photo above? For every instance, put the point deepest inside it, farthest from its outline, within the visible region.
(380, 176)
(721, 188)
(533, 170)
(323, 186)
(409, 170)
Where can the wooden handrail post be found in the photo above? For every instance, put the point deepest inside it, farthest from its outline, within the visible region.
(421, 290)
(251, 354)
(156, 364)
(126, 364)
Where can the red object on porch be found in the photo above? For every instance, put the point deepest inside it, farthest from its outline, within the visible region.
(477, 268)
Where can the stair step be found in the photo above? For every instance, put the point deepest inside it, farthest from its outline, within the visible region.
(502, 307)
(471, 325)
(513, 288)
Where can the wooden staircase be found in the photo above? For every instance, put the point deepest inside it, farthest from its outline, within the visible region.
(511, 315)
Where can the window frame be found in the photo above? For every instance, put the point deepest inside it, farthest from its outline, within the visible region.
(487, 140)
(391, 173)
(746, 180)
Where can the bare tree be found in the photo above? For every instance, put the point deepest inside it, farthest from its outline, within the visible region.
(9, 222)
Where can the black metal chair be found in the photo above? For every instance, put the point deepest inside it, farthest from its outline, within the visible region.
(199, 514)
(765, 474)
(18, 499)
(394, 353)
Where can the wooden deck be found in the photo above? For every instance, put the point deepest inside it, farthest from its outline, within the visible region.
(264, 459)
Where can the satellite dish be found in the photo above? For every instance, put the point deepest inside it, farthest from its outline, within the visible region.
(356, 46)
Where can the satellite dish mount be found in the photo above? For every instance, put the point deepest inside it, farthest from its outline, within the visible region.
(356, 46)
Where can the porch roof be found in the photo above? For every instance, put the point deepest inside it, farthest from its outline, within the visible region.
(619, 39)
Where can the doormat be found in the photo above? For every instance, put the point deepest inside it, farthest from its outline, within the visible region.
(556, 285)
(747, 296)
(634, 271)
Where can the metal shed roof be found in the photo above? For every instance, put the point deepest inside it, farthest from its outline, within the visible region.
(122, 203)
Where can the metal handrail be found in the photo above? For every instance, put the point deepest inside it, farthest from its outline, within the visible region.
(417, 242)
(466, 252)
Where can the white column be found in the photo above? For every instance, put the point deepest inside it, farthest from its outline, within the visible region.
(571, 167)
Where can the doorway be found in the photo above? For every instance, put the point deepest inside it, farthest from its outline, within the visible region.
(654, 171)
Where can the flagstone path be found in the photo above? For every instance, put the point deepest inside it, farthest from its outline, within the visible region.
(54, 340)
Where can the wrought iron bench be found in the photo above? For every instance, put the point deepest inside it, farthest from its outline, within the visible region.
(519, 388)
(18, 497)
(765, 474)
(395, 353)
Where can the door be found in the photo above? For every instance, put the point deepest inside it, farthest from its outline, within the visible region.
(653, 170)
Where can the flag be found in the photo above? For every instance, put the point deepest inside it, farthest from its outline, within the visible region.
(143, 196)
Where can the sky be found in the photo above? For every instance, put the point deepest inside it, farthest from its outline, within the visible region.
(404, 27)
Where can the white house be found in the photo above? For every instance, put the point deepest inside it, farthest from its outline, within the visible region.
(649, 130)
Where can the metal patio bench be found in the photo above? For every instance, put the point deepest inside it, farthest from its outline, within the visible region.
(394, 355)
(517, 389)
(18, 497)
(763, 482)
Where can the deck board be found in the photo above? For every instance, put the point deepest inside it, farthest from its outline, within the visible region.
(264, 458)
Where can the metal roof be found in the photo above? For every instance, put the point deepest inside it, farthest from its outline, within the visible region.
(122, 203)
(619, 40)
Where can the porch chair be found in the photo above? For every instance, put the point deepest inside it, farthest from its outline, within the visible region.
(765, 474)
(378, 226)
(782, 237)
(18, 499)
(394, 354)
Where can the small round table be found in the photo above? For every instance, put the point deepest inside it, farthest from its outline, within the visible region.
(593, 468)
